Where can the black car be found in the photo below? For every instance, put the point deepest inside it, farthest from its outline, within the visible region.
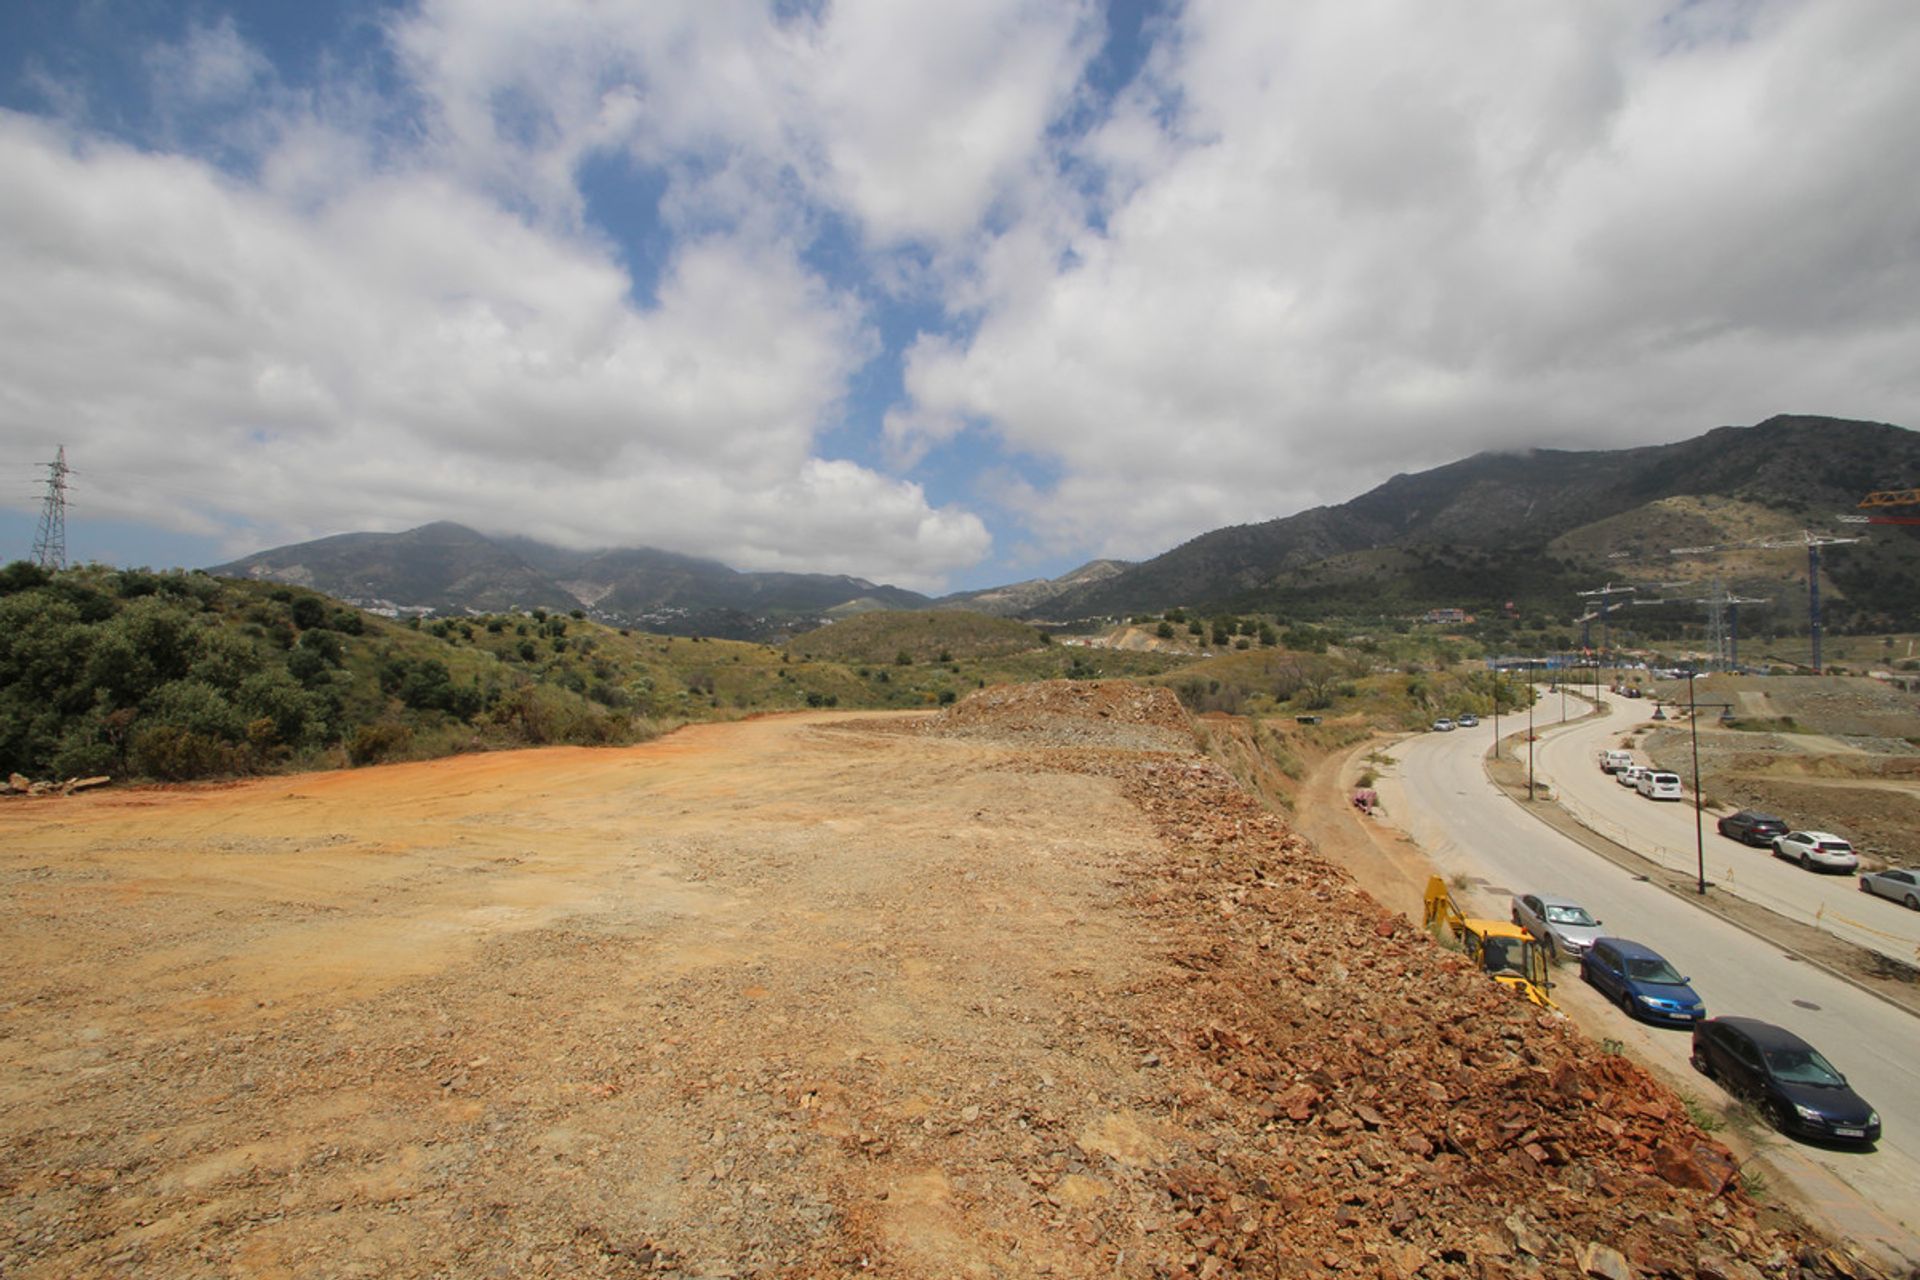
(1749, 827)
(1785, 1077)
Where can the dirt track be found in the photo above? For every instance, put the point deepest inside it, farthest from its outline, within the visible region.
(798, 996)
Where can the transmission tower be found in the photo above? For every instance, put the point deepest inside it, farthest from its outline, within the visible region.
(1723, 620)
(50, 540)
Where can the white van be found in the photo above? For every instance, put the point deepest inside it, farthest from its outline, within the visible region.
(1658, 785)
(1615, 761)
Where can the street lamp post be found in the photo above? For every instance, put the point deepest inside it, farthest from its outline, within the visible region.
(1699, 829)
(1529, 737)
(1496, 706)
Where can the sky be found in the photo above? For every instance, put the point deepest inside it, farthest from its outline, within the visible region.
(939, 295)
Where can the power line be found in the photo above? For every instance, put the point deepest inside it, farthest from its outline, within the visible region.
(50, 539)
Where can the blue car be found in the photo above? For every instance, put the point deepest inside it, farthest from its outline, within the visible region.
(1641, 982)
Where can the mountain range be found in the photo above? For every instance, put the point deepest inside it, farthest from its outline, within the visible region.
(1527, 529)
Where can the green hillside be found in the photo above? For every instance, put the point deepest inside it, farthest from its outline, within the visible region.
(924, 635)
(171, 676)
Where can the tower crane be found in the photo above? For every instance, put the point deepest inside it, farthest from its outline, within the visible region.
(1878, 502)
(1606, 607)
(1812, 542)
(1723, 619)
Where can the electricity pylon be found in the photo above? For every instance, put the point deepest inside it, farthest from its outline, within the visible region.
(50, 539)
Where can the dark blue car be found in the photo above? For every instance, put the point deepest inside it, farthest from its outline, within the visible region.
(1641, 982)
(1786, 1078)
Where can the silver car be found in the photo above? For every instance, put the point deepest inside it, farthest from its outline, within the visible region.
(1903, 886)
(1564, 926)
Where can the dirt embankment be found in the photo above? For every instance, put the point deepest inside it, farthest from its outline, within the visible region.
(800, 996)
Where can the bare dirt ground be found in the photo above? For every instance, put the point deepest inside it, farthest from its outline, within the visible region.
(1849, 764)
(1020, 990)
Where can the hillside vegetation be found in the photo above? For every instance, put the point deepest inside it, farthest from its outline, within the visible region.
(173, 676)
(927, 635)
(1532, 528)
(182, 675)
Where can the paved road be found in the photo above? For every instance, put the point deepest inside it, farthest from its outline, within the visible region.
(1442, 797)
(1664, 831)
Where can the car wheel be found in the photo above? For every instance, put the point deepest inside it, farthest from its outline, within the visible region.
(1913, 903)
(1806, 863)
(1626, 1003)
(1782, 1117)
(1700, 1063)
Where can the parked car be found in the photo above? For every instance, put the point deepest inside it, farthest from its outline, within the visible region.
(1656, 784)
(1468, 721)
(1630, 776)
(1784, 1076)
(1641, 982)
(1563, 926)
(1903, 886)
(1816, 851)
(1443, 725)
(1751, 827)
(1615, 761)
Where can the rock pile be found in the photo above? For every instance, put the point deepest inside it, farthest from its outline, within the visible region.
(1376, 1107)
(20, 785)
(1109, 714)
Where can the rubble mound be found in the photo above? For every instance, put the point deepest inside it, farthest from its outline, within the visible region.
(1367, 1102)
(1114, 714)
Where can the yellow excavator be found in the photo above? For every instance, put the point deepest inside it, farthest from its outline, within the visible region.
(1508, 953)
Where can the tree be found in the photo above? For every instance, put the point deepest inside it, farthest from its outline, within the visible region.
(308, 612)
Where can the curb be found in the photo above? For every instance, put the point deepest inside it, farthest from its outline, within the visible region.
(1628, 860)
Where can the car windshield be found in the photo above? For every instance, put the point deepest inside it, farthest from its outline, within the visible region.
(1653, 969)
(1802, 1066)
(1568, 915)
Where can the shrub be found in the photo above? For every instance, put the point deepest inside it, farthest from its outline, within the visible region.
(22, 575)
(540, 714)
(197, 708)
(373, 743)
(308, 612)
(173, 754)
(81, 755)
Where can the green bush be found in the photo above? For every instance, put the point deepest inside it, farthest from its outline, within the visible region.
(384, 740)
(174, 754)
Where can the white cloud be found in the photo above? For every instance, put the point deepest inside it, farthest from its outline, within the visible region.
(1376, 237)
(408, 352)
(1312, 245)
(213, 64)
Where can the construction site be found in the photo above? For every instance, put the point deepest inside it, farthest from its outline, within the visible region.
(1028, 987)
